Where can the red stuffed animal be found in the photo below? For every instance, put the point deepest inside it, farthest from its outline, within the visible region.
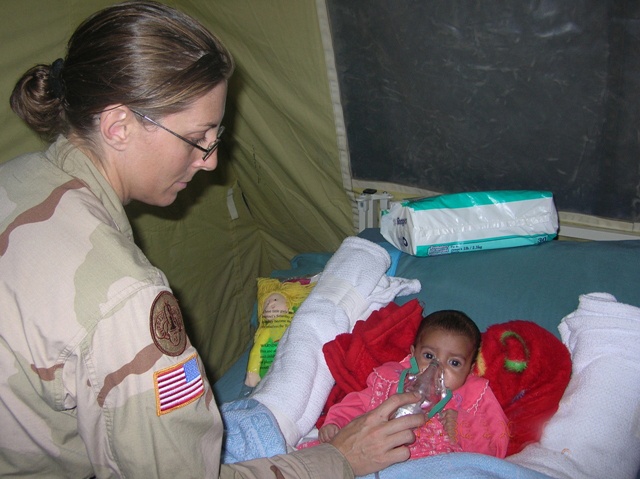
(528, 369)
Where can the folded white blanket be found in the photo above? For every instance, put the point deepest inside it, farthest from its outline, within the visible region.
(351, 286)
(596, 431)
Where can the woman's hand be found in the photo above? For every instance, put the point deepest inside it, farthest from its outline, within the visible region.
(327, 432)
(373, 441)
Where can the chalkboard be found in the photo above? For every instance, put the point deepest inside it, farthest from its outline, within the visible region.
(468, 96)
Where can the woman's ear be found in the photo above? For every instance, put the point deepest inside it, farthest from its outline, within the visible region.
(116, 126)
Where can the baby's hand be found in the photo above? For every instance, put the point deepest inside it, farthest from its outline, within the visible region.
(327, 432)
(449, 420)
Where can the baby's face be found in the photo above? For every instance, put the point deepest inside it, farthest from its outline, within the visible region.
(453, 351)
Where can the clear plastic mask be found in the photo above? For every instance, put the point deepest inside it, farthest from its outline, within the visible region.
(429, 384)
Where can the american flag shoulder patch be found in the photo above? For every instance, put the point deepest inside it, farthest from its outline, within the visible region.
(178, 385)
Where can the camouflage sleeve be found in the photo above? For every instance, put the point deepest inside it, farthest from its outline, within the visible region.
(145, 408)
(317, 462)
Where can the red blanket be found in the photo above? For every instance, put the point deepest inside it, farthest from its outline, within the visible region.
(385, 336)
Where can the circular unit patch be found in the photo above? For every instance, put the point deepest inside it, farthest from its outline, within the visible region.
(167, 326)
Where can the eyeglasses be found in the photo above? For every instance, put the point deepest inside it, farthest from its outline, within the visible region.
(207, 151)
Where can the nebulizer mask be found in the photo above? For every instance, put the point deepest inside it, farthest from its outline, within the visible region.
(429, 384)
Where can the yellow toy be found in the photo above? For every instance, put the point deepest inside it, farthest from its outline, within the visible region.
(277, 303)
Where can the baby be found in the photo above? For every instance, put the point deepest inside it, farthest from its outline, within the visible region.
(472, 421)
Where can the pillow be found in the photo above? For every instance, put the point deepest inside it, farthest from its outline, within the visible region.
(596, 431)
(528, 369)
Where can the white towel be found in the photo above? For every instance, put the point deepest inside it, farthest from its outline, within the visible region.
(351, 286)
(596, 431)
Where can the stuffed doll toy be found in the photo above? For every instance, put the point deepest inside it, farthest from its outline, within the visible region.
(278, 301)
(528, 369)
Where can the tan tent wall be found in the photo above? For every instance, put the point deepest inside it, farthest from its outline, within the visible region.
(280, 188)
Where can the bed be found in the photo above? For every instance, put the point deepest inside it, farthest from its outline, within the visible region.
(585, 293)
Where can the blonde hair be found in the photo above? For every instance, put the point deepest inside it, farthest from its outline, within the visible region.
(294, 292)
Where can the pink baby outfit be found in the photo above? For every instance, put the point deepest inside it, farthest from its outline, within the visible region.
(482, 425)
